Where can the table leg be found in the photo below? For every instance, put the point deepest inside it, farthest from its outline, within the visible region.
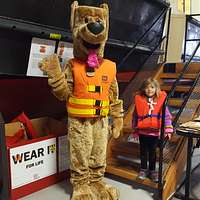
(188, 168)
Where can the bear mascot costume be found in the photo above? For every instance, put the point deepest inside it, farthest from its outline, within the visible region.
(88, 85)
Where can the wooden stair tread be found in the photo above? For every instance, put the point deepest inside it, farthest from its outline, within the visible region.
(193, 67)
(180, 88)
(176, 75)
(130, 174)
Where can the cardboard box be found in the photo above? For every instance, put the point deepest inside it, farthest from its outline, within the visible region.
(40, 162)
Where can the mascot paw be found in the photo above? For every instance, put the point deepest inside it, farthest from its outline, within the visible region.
(117, 126)
(50, 65)
(113, 192)
(115, 133)
(105, 191)
(82, 192)
(100, 191)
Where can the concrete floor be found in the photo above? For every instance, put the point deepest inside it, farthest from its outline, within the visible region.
(128, 189)
(62, 191)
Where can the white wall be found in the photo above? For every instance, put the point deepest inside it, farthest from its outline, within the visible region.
(176, 38)
(195, 7)
(194, 4)
(176, 33)
(174, 6)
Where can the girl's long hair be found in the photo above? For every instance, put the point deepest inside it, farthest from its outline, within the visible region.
(150, 81)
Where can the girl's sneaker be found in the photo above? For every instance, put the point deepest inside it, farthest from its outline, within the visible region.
(153, 175)
(143, 174)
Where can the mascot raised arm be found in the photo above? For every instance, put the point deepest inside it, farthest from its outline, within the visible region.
(89, 87)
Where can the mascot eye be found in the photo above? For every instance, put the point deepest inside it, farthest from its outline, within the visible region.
(86, 20)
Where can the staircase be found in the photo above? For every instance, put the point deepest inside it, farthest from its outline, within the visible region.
(167, 78)
(123, 155)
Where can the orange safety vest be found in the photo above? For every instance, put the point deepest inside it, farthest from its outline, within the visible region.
(91, 94)
(146, 120)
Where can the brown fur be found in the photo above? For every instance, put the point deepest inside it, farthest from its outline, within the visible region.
(86, 174)
(80, 17)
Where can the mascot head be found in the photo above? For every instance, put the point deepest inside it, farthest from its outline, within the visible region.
(89, 27)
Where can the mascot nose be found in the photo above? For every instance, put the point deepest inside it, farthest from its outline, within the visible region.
(95, 27)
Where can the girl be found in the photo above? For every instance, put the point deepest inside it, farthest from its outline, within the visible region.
(147, 124)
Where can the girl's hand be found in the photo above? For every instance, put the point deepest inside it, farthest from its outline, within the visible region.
(168, 132)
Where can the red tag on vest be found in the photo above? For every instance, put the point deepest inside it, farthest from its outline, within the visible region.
(104, 78)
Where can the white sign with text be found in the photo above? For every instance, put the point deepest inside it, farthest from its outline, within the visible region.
(32, 162)
(40, 48)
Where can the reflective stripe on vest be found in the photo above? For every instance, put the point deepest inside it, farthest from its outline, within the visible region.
(89, 102)
(94, 88)
(88, 112)
(144, 119)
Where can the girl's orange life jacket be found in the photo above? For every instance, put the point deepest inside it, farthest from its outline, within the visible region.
(91, 94)
(146, 120)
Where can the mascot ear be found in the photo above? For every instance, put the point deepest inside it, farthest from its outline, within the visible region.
(106, 14)
(73, 8)
(105, 6)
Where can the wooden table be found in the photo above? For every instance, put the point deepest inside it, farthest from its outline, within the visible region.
(190, 130)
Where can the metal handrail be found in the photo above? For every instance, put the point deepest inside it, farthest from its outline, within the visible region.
(194, 15)
(161, 147)
(185, 101)
(142, 37)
